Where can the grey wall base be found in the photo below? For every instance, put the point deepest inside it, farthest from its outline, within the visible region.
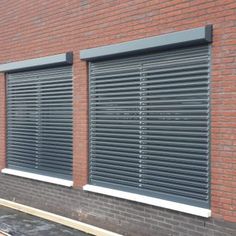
(125, 217)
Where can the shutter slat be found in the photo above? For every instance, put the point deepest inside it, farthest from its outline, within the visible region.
(173, 96)
(149, 101)
(177, 90)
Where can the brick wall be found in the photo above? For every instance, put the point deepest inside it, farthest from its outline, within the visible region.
(39, 28)
(125, 217)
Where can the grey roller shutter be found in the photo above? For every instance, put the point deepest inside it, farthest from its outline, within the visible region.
(39, 121)
(149, 124)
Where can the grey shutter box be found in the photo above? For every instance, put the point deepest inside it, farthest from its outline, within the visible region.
(39, 121)
(149, 124)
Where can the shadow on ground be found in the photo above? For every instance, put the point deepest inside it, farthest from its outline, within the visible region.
(20, 224)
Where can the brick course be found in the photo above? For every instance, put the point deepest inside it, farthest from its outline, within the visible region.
(32, 29)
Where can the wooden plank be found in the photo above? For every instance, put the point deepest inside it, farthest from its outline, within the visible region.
(90, 229)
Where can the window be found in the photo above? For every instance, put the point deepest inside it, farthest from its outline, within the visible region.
(149, 124)
(39, 121)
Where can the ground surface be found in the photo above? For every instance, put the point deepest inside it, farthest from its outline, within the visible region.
(20, 224)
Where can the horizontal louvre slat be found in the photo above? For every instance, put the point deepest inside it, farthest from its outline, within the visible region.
(116, 144)
(55, 105)
(52, 101)
(119, 74)
(161, 80)
(134, 98)
(55, 94)
(178, 90)
(56, 126)
(175, 127)
(43, 113)
(61, 124)
(145, 122)
(173, 152)
(126, 159)
(115, 135)
(173, 85)
(167, 157)
(34, 99)
(156, 142)
(144, 132)
(150, 101)
(20, 83)
(126, 169)
(55, 84)
(176, 138)
(165, 146)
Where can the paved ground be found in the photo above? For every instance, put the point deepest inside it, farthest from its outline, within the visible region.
(20, 224)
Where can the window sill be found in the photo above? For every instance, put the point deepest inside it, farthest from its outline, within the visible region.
(198, 211)
(42, 178)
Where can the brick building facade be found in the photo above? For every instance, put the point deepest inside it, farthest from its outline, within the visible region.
(37, 29)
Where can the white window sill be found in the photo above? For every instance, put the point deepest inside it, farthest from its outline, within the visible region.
(198, 211)
(42, 178)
